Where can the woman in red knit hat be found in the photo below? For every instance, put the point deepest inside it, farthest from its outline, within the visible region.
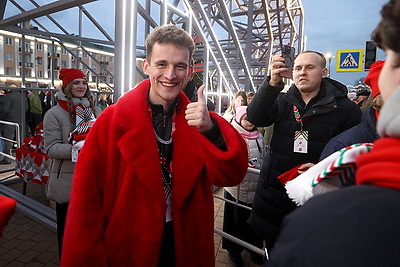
(65, 128)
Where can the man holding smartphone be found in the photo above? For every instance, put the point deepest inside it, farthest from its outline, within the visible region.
(305, 118)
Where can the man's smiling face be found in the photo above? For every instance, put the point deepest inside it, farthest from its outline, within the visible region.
(168, 68)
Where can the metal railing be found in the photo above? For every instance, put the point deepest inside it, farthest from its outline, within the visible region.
(236, 203)
(17, 141)
(8, 154)
(5, 139)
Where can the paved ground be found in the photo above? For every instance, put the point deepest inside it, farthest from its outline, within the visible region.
(25, 242)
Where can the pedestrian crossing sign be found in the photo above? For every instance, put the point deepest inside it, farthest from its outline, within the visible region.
(349, 60)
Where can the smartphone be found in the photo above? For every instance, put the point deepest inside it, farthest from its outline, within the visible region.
(288, 55)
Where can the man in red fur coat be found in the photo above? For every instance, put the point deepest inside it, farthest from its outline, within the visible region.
(142, 188)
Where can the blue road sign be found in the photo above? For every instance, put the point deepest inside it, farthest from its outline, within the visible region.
(349, 60)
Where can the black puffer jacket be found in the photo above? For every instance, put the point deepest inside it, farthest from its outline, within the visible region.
(325, 116)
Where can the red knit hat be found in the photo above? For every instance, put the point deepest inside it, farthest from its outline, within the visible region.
(373, 76)
(67, 75)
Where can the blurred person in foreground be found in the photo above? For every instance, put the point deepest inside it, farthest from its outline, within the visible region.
(305, 118)
(357, 225)
(142, 190)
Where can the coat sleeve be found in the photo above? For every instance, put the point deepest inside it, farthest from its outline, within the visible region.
(52, 136)
(83, 243)
(226, 168)
(260, 112)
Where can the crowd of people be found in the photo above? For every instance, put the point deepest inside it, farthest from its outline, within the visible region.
(132, 182)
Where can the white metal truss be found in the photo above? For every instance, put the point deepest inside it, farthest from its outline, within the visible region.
(235, 39)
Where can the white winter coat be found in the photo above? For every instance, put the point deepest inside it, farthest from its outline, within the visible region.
(256, 150)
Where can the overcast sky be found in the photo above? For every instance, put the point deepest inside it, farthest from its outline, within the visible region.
(341, 25)
(329, 26)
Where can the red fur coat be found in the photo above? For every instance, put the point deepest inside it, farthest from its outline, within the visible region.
(117, 207)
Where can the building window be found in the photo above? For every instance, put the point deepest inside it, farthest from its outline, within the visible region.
(9, 40)
(111, 80)
(111, 59)
(63, 51)
(28, 72)
(63, 63)
(85, 55)
(28, 59)
(9, 56)
(40, 74)
(94, 67)
(27, 46)
(10, 71)
(49, 47)
(39, 46)
(94, 78)
(39, 60)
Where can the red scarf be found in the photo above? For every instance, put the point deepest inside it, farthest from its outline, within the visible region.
(381, 166)
(64, 105)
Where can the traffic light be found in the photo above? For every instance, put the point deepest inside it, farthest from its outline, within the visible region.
(370, 54)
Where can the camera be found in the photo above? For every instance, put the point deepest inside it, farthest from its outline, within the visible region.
(288, 55)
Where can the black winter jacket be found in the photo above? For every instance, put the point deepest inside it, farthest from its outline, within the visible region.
(354, 226)
(325, 116)
(365, 132)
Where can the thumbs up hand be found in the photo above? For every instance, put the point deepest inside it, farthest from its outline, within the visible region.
(197, 114)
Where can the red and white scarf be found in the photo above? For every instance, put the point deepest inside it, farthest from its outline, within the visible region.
(85, 119)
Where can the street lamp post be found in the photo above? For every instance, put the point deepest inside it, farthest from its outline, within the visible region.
(329, 56)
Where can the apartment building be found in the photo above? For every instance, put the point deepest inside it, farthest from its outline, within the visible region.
(39, 60)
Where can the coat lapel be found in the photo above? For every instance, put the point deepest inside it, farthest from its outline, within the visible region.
(138, 146)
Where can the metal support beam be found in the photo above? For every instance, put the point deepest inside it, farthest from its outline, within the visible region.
(42, 11)
(125, 48)
(3, 4)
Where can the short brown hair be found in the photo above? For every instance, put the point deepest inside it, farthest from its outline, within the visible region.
(169, 34)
